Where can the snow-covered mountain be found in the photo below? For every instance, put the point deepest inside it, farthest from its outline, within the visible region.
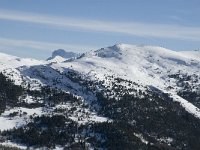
(10, 65)
(146, 65)
(149, 96)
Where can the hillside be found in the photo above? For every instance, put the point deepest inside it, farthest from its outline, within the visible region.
(119, 97)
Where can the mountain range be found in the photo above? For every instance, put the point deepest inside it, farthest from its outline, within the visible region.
(119, 97)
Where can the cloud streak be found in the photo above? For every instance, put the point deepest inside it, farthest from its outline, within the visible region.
(44, 46)
(127, 28)
(172, 31)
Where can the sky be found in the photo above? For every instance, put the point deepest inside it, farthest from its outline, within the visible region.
(34, 28)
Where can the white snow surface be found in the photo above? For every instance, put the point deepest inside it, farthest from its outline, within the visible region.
(145, 65)
(7, 122)
(16, 62)
(57, 59)
(148, 65)
(10, 65)
(187, 105)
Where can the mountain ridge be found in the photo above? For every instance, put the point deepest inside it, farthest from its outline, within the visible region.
(147, 92)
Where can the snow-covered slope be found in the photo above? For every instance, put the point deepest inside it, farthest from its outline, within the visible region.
(146, 65)
(10, 66)
(16, 62)
(115, 71)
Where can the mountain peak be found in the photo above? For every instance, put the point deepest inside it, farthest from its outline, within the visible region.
(121, 83)
(115, 51)
(122, 49)
(62, 55)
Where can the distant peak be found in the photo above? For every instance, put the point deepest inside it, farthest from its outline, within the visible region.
(61, 54)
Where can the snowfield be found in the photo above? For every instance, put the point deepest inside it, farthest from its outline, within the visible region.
(147, 66)
(22, 118)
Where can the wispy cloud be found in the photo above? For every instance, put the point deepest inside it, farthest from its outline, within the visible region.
(172, 31)
(45, 46)
(176, 18)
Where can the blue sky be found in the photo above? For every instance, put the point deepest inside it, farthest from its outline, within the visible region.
(34, 28)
